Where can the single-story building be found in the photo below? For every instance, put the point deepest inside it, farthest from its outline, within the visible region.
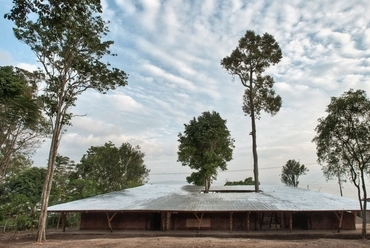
(228, 208)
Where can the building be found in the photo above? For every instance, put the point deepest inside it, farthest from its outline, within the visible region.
(227, 208)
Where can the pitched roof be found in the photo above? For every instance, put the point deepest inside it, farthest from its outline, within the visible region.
(189, 198)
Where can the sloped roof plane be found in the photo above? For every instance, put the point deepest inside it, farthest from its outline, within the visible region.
(189, 198)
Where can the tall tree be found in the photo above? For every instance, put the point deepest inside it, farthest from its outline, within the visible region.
(205, 146)
(345, 134)
(109, 168)
(248, 61)
(291, 171)
(334, 169)
(21, 122)
(67, 39)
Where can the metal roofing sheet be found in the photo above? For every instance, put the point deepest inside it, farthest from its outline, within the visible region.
(162, 197)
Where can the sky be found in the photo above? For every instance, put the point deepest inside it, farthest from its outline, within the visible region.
(172, 52)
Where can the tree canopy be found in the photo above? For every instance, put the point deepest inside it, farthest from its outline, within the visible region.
(206, 145)
(343, 140)
(22, 125)
(247, 181)
(68, 39)
(291, 171)
(109, 168)
(248, 61)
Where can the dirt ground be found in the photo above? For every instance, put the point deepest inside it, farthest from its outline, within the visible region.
(106, 239)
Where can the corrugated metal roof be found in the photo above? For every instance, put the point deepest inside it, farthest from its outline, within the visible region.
(161, 197)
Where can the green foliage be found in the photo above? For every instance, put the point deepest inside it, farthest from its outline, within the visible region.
(68, 39)
(109, 168)
(20, 198)
(291, 172)
(247, 181)
(248, 61)
(343, 141)
(62, 188)
(205, 146)
(21, 122)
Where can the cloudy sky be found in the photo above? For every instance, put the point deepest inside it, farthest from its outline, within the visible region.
(172, 52)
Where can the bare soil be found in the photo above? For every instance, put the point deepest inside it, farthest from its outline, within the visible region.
(56, 238)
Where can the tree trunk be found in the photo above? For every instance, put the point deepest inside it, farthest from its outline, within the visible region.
(340, 184)
(40, 235)
(364, 207)
(206, 184)
(254, 136)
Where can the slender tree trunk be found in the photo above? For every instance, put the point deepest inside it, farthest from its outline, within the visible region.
(206, 184)
(364, 207)
(340, 184)
(40, 235)
(254, 136)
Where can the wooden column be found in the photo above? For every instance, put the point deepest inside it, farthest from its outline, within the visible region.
(199, 220)
(168, 221)
(340, 220)
(290, 221)
(248, 220)
(109, 219)
(63, 221)
(231, 221)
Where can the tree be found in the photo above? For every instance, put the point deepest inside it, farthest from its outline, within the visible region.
(344, 134)
(334, 169)
(108, 168)
(247, 181)
(21, 197)
(248, 61)
(291, 172)
(66, 37)
(21, 122)
(205, 146)
(62, 186)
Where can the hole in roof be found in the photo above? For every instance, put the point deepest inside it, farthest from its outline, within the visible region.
(228, 191)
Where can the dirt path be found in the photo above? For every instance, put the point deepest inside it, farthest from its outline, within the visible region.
(26, 239)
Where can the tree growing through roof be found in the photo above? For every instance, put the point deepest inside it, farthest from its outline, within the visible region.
(109, 168)
(248, 61)
(344, 134)
(67, 38)
(291, 171)
(206, 146)
(22, 125)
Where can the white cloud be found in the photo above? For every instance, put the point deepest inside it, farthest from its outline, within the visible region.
(172, 52)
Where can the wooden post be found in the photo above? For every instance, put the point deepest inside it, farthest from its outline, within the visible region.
(199, 220)
(340, 220)
(231, 221)
(290, 222)
(109, 219)
(168, 221)
(282, 220)
(248, 213)
(64, 221)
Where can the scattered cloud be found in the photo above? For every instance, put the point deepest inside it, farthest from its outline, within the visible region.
(172, 52)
